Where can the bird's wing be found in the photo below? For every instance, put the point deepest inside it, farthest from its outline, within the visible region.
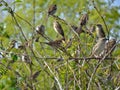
(60, 30)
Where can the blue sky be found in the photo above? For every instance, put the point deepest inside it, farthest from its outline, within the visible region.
(117, 2)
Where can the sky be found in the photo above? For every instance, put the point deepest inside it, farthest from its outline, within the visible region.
(2, 14)
(117, 3)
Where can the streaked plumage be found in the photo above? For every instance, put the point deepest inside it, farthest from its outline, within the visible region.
(98, 47)
(109, 47)
(58, 28)
(99, 30)
(84, 19)
(78, 30)
(56, 43)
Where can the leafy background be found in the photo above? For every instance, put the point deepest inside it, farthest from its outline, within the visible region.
(45, 72)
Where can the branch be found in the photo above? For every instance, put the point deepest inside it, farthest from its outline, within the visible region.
(56, 79)
(82, 58)
(97, 66)
(101, 17)
(24, 20)
(12, 14)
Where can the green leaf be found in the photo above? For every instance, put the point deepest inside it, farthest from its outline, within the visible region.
(0, 5)
(14, 57)
(17, 1)
(5, 9)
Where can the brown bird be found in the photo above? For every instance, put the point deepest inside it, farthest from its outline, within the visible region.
(52, 9)
(109, 47)
(58, 28)
(40, 29)
(56, 43)
(78, 30)
(84, 19)
(98, 47)
(74, 27)
(99, 30)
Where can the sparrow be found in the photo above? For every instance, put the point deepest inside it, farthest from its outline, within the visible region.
(58, 28)
(100, 32)
(52, 9)
(84, 19)
(56, 43)
(98, 47)
(74, 27)
(40, 29)
(78, 30)
(109, 47)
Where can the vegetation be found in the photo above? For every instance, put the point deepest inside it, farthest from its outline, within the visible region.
(29, 62)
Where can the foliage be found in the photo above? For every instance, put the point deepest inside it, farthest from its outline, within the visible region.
(27, 64)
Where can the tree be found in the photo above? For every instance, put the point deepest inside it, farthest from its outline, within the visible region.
(33, 60)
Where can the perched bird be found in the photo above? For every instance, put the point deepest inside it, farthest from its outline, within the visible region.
(74, 27)
(100, 32)
(40, 29)
(98, 47)
(56, 43)
(84, 19)
(58, 28)
(52, 9)
(109, 47)
(78, 30)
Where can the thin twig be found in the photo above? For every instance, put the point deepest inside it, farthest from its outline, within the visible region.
(101, 17)
(56, 79)
(24, 20)
(12, 14)
(97, 66)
